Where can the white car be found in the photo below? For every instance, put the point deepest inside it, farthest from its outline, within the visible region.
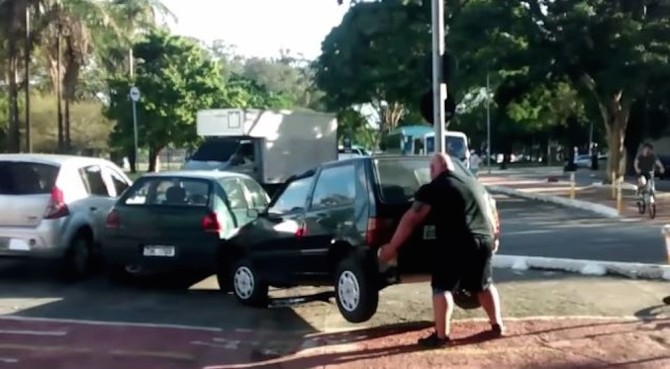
(54, 207)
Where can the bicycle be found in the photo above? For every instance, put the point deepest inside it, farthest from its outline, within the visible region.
(647, 197)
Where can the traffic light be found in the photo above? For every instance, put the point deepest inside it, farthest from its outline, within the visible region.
(449, 66)
(427, 107)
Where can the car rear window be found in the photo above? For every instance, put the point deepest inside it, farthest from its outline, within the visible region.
(171, 191)
(400, 178)
(25, 178)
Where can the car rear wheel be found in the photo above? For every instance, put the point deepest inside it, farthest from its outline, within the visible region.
(248, 288)
(355, 292)
(79, 257)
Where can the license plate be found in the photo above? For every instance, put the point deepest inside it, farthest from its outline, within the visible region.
(160, 251)
(429, 232)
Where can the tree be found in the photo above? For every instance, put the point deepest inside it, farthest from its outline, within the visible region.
(608, 49)
(377, 56)
(176, 78)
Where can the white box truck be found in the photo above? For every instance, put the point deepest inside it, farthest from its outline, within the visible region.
(268, 145)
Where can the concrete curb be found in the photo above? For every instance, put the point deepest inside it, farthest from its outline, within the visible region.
(603, 210)
(585, 267)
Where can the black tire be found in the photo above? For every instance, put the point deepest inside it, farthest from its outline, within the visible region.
(247, 287)
(78, 261)
(652, 210)
(224, 277)
(355, 291)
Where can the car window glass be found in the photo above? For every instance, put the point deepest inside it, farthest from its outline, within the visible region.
(335, 187)
(93, 180)
(169, 191)
(25, 178)
(235, 193)
(120, 184)
(293, 197)
(259, 197)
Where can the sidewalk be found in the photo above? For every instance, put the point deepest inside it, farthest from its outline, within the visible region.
(589, 192)
(630, 332)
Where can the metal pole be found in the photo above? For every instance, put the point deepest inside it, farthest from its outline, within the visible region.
(439, 88)
(135, 133)
(488, 122)
(29, 139)
(131, 62)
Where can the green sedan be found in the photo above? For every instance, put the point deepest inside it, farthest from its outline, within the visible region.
(178, 220)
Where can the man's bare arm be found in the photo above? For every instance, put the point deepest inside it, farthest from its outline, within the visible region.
(413, 217)
(660, 166)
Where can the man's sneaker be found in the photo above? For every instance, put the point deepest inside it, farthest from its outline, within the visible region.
(433, 341)
(497, 331)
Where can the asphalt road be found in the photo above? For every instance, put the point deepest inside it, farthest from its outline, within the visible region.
(180, 322)
(540, 229)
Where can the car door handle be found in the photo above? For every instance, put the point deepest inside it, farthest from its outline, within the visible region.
(93, 209)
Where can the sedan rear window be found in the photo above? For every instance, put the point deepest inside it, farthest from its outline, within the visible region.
(169, 191)
(25, 178)
(399, 179)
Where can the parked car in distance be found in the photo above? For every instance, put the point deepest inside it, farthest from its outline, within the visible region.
(176, 220)
(324, 227)
(54, 207)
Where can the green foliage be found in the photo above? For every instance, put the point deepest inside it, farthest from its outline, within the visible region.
(377, 55)
(352, 124)
(176, 79)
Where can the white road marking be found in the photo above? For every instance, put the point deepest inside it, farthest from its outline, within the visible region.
(108, 323)
(33, 333)
(8, 360)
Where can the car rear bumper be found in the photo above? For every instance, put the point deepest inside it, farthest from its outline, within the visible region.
(202, 257)
(44, 241)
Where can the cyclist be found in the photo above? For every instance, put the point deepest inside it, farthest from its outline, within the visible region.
(646, 162)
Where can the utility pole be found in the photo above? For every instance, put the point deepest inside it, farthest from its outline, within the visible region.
(439, 87)
(488, 122)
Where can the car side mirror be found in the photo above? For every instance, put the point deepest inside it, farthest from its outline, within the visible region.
(253, 213)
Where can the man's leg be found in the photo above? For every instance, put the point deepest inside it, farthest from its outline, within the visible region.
(480, 280)
(443, 308)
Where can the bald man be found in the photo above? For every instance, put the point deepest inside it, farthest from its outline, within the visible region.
(457, 205)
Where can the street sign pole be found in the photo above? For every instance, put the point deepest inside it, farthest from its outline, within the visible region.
(488, 122)
(135, 96)
(439, 88)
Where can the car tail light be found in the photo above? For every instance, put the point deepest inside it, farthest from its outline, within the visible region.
(113, 220)
(302, 231)
(210, 223)
(57, 207)
(378, 232)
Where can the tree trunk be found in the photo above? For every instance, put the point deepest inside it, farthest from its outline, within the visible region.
(132, 160)
(13, 134)
(153, 159)
(616, 130)
(66, 128)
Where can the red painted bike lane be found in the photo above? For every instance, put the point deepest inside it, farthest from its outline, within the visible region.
(548, 343)
(38, 344)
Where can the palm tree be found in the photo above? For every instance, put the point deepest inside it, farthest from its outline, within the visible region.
(75, 25)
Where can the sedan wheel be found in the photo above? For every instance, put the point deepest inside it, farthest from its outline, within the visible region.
(356, 294)
(248, 288)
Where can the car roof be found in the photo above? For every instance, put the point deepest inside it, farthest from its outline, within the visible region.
(202, 174)
(53, 159)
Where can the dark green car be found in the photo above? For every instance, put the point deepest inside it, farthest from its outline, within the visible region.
(177, 220)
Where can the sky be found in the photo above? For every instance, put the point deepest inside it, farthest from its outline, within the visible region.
(259, 27)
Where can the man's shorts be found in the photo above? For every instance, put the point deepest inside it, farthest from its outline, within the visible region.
(469, 270)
